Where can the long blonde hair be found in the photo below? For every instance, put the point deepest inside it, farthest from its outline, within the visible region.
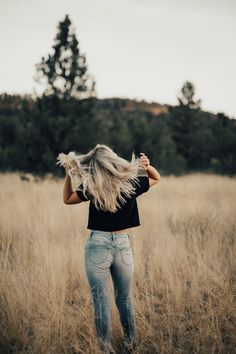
(103, 175)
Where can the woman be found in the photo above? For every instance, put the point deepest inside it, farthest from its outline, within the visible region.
(111, 184)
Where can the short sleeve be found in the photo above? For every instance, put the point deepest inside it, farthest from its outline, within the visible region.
(142, 185)
(82, 196)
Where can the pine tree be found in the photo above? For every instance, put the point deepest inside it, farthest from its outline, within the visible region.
(65, 71)
(186, 97)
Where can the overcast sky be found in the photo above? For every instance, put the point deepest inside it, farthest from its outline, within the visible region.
(142, 49)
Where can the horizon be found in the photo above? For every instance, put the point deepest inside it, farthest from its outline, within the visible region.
(148, 50)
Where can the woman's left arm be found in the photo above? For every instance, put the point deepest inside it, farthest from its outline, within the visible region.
(151, 171)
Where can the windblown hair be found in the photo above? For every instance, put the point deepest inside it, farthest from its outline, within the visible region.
(103, 175)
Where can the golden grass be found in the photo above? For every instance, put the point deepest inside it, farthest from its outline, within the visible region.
(185, 269)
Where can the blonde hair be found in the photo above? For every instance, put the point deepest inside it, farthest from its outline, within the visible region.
(103, 175)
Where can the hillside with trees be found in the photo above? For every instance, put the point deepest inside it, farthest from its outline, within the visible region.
(68, 116)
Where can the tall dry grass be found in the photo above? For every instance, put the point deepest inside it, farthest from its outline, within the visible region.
(185, 273)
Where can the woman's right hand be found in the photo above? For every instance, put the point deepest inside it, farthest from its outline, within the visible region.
(67, 167)
(70, 167)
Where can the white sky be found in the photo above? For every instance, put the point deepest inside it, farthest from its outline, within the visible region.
(142, 49)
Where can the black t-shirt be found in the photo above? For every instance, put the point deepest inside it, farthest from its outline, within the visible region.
(125, 217)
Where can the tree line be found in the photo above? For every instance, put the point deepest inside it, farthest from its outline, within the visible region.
(68, 116)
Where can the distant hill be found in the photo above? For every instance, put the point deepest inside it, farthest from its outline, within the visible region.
(178, 139)
(130, 105)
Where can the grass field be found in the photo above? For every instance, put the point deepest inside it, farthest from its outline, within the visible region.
(184, 286)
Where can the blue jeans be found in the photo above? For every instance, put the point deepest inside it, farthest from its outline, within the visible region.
(110, 253)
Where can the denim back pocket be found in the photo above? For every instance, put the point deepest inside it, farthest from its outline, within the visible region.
(127, 255)
(97, 255)
(126, 252)
(96, 250)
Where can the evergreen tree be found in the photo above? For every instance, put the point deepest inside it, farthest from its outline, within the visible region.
(224, 157)
(192, 131)
(186, 97)
(185, 123)
(64, 71)
(170, 161)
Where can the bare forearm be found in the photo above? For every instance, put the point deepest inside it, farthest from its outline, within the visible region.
(67, 190)
(153, 173)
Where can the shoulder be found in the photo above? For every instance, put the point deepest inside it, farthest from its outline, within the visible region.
(85, 197)
(141, 185)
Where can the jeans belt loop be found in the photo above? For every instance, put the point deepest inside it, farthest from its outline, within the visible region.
(90, 236)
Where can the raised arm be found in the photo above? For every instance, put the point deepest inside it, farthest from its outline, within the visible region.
(69, 197)
(153, 174)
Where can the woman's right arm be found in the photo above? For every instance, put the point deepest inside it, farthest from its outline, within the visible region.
(69, 197)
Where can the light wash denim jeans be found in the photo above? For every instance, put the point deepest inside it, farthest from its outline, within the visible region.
(109, 253)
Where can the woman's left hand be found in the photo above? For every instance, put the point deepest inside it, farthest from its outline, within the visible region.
(144, 160)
